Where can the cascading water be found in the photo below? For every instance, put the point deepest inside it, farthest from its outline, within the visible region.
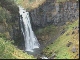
(30, 39)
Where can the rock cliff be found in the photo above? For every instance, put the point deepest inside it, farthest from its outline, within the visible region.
(52, 12)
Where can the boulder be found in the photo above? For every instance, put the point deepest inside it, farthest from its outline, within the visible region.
(73, 49)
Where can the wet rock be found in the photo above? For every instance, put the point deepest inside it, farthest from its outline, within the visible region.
(69, 43)
(74, 49)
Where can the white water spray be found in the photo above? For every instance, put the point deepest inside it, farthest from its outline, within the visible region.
(30, 39)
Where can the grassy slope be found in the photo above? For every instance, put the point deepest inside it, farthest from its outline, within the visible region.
(29, 4)
(59, 46)
(9, 51)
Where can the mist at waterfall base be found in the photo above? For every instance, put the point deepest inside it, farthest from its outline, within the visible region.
(31, 42)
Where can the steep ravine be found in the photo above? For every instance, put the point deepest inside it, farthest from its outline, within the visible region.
(52, 13)
(49, 13)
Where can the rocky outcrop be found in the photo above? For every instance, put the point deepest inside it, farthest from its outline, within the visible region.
(55, 13)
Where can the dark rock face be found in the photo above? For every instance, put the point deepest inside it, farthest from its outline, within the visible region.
(54, 13)
(17, 34)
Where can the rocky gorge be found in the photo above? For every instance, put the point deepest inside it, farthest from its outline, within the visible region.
(48, 13)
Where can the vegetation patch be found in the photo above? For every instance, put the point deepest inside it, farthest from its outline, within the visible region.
(47, 33)
(59, 45)
(9, 51)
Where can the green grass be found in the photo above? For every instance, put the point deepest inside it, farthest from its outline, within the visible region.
(59, 45)
(9, 51)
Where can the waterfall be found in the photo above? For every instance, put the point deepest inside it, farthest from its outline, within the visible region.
(30, 39)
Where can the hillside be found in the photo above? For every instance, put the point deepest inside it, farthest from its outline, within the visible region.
(54, 23)
(9, 51)
(67, 45)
